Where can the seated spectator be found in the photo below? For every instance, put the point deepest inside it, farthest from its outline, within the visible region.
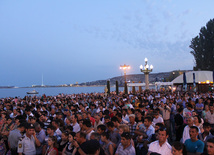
(194, 145)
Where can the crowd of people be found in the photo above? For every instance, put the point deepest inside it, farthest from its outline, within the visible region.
(147, 122)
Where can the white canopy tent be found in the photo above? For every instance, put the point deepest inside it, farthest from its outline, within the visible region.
(200, 76)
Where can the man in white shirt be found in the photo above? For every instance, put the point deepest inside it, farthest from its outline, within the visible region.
(76, 126)
(157, 119)
(186, 135)
(161, 146)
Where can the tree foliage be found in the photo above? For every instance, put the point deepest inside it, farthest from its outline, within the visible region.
(203, 47)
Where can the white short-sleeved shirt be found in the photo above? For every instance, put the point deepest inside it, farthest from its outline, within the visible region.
(158, 120)
(76, 127)
(27, 145)
(165, 149)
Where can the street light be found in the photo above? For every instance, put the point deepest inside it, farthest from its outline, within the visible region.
(124, 68)
(146, 70)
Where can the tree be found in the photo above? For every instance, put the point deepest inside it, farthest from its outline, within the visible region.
(203, 47)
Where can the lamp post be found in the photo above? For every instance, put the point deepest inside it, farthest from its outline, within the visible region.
(146, 70)
(124, 68)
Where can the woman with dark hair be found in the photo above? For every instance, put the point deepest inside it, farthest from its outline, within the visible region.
(63, 142)
(69, 149)
(198, 123)
(178, 148)
(52, 149)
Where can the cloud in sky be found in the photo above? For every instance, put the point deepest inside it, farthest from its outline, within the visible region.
(85, 41)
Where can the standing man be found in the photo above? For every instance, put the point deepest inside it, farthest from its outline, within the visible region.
(199, 106)
(14, 137)
(125, 147)
(132, 125)
(40, 135)
(27, 144)
(161, 146)
(194, 145)
(165, 110)
(74, 124)
(186, 135)
(210, 116)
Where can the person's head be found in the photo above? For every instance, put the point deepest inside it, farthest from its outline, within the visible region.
(86, 124)
(206, 127)
(107, 119)
(189, 121)
(193, 132)
(30, 130)
(162, 135)
(210, 146)
(115, 121)
(32, 120)
(110, 126)
(22, 126)
(126, 139)
(104, 136)
(95, 135)
(52, 141)
(37, 127)
(97, 118)
(50, 130)
(178, 148)
(101, 128)
(158, 126)
(206, 107)
(123, 128)
(180, 110)
(147, 121)
(9, 120)
(197, 119)
(156, 115)
(74, 119)
(211, 107)
(80, 137)
(71, 136)
(132, 118)
(64, 136)
(55, 123)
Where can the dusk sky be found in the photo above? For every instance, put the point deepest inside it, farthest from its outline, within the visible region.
(72, 41)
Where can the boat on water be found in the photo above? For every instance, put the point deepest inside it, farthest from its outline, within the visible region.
(33, 92)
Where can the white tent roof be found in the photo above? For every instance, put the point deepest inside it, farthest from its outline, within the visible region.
(200, 76)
